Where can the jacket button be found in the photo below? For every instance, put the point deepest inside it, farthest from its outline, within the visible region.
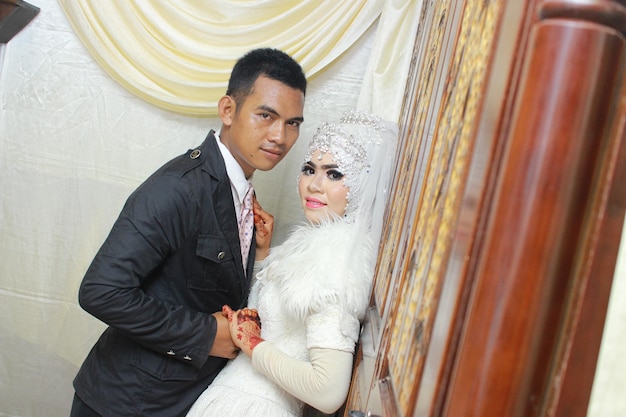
(187, 357)
(221, 256)
(171, 352)
(195, 154)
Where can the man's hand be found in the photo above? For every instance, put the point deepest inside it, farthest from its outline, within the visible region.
(245, 328)
(264, 225)
(223, 346)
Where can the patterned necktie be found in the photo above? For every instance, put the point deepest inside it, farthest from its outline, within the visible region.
(246, 226)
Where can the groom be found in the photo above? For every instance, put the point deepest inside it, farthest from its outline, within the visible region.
(173, 258)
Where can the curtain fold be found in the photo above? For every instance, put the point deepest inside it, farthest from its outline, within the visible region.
(177, 55)
(381, 93)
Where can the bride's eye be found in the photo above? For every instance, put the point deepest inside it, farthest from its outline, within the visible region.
(307, 169)
(334, 175)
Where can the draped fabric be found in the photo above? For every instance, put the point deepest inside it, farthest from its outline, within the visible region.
(178, 54)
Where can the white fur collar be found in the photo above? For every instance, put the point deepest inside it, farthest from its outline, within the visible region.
(323, 262)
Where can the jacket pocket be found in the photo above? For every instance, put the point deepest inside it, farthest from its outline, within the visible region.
(162, 367)
(218, 265)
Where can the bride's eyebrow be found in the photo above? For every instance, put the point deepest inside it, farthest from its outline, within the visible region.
(325, 167)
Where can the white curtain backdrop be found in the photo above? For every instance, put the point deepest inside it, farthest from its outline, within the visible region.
(178, 54)
(76, 139)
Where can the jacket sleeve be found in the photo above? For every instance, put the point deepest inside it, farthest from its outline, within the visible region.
(152, 223)
(322, 382)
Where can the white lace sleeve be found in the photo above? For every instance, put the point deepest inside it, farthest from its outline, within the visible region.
(332, 328)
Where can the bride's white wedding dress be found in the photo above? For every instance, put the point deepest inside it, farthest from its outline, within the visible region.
(312, 293)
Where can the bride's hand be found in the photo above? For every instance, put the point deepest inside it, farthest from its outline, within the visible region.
(245, 328)
(264, 225)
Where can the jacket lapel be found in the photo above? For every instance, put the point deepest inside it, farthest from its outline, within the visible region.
(225, 206)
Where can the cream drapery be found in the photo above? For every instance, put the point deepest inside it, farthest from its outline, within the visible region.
(177, 54)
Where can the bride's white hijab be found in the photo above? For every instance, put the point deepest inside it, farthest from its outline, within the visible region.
(364, 147)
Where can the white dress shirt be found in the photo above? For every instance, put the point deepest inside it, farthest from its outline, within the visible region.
(238, 182)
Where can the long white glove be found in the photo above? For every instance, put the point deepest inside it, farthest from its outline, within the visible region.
(322, 383)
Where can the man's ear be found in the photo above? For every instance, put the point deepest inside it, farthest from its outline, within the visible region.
(226, 108)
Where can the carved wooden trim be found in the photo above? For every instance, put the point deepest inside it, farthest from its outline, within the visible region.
(609, 13)
(437, 212)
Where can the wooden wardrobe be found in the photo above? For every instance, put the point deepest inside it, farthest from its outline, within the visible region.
(505, 218)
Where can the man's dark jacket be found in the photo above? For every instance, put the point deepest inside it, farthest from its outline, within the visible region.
(171, 259)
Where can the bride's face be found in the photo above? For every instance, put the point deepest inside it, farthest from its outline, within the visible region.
(322, 189)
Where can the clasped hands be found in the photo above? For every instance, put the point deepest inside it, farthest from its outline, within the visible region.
(245, 328)
(241, 329)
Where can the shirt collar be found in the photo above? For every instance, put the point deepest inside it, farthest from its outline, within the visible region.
(238, 179)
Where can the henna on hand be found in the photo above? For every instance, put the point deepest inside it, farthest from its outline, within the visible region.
(246, 330)
(254, 341)
(227, 312)
(249, 314)
(261, 231)
(264, 228)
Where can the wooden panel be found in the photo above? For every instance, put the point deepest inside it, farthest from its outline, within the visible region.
(500, 243)
(584, 317)
(436, 220)
(543, 228)
(445, 95)
(500, 89)
(372, 390)
(576, 357)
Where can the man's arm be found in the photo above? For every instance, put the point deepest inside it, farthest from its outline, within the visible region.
(156, 218)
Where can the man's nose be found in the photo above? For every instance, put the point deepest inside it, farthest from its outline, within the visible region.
(277, 132)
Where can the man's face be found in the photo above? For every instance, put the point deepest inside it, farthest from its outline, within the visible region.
(265, 126)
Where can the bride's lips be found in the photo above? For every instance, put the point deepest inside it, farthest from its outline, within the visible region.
(314, 203)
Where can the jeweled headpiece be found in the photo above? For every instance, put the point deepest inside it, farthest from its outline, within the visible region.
(363, 146)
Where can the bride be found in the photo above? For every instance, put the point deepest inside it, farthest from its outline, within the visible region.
(311, 292)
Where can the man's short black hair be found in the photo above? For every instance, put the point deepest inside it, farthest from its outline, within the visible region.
(272, 63)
